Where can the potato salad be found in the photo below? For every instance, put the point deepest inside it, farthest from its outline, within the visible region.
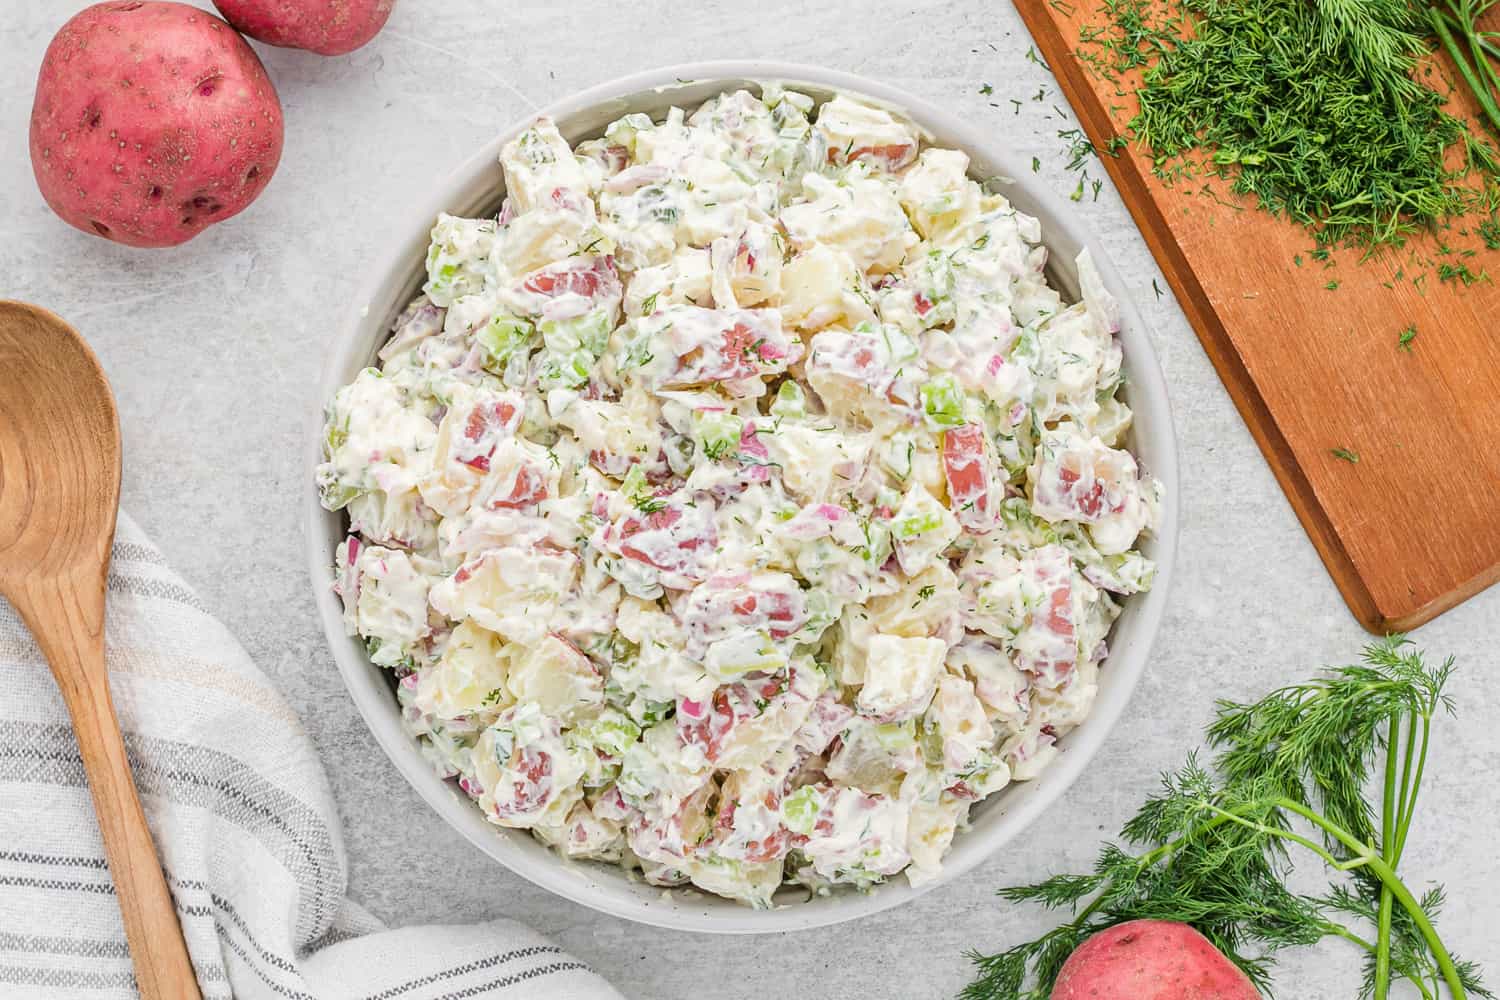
(739, 504)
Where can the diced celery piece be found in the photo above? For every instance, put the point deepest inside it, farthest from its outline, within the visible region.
(503, 336)
(917, 524)
(791, 401)
(717, 433)
(570, 370)
(943, 401)
(1026, 350)
(634, 483)
(336, 436)
(939, 274)
(896, 735)
(898, 345)
(1133, 569)
(652, 712)
(1016, 513)
(877, 547)
(589, 332)
(799, 810)
(822, 611)
(525, 727)
(637, 350)
(337, 496)
(622, 131)
(742, 654)
(613, 732)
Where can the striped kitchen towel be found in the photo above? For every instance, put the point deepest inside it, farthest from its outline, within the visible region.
(243, 817)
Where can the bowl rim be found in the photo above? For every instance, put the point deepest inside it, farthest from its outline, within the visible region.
(561, 876)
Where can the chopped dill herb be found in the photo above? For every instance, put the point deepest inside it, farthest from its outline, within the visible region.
(1313, 109)
(1079, 147)
(1352, 457)
(1489, 231)
(1458, 272)
(1407, 336)
(648, 504)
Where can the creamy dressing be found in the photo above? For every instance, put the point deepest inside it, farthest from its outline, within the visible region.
(740, 504)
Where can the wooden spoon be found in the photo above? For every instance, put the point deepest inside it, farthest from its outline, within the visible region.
(59, 492)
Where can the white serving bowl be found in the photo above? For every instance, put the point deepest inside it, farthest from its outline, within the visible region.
(476, 190)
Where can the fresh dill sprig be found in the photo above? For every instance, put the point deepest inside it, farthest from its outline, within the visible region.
(1216, 844)
(1377, 36)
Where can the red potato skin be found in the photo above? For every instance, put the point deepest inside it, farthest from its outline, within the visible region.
(1150, 960)
(152, 122)
(327, 27)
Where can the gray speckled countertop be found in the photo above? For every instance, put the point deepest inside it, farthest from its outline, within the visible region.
(214, 351)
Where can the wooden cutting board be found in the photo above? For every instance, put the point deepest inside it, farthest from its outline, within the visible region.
(1413, 527)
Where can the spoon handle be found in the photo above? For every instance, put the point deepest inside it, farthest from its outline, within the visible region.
(66, 615)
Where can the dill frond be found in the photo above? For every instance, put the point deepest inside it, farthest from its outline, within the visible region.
(1213, 846)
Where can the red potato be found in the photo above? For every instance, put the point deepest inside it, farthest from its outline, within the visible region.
(327, 27)
(1150, 960)
(152, 122)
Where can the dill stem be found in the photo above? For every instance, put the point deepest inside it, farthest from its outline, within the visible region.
(1471, 33)
(1389, 812)
(1481, 93)
(1388, 877)
(1339, 930)
(1406, 786)
(1296, 838)
(1403, 826)
(1481, 38)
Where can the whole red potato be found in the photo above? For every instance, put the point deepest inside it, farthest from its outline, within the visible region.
(1150, 960)
(152, 122)
(327, 27)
